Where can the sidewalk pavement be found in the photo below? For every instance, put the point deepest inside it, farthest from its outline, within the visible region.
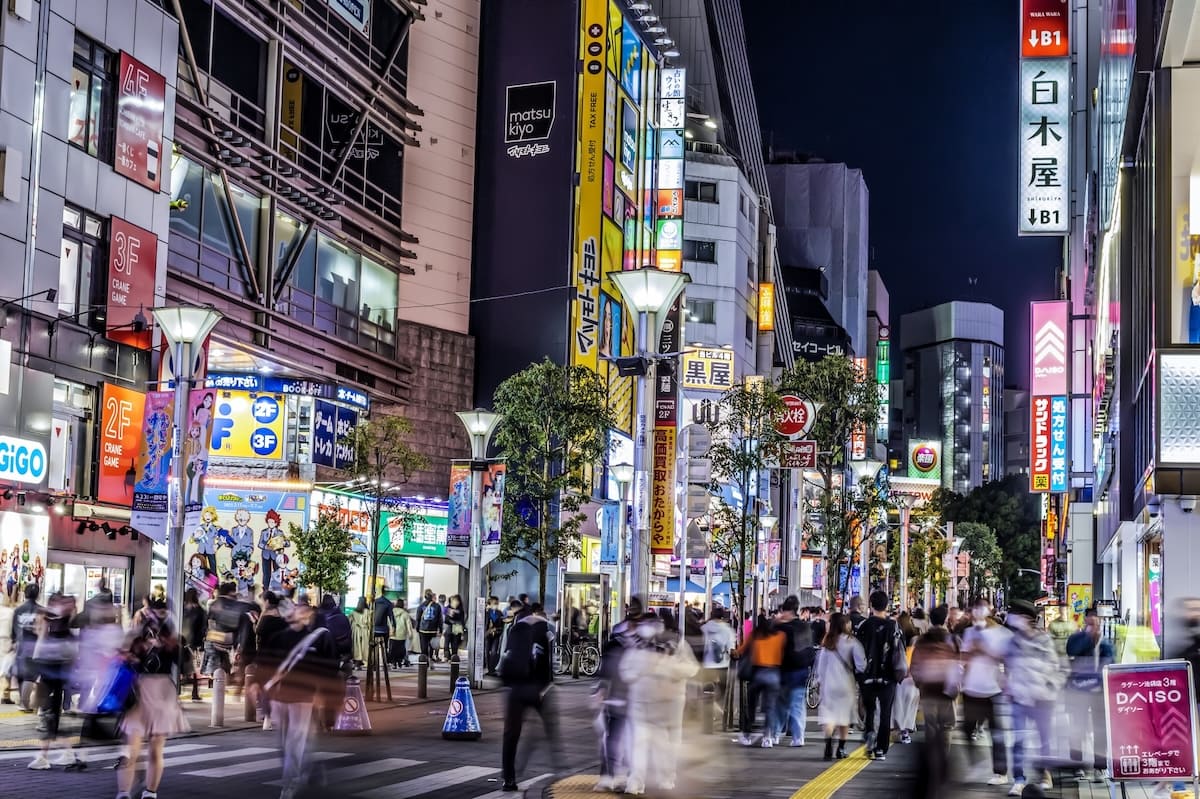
(19, 730)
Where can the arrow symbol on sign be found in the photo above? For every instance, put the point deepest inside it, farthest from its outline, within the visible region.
(1050, 342)
(1032, 217)
(1174, 726)
(1033, 38)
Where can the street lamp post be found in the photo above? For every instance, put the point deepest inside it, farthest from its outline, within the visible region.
(650, 292)
(905, 518)
(766, 522)
(184, 328)
(887, 578)
(480, 425)
(623, 474)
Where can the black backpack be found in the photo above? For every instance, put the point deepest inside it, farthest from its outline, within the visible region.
(800, 654)
(881, 643)
(527, 658)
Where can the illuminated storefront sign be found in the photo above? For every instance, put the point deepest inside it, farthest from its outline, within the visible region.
(121, 412)
(248, 425)
(1044, 135)
(766, 307)
(707, 369)
(245, 381)
(1039, 444)
(925, 459)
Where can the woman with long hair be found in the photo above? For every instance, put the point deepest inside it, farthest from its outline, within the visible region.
(456, 625)
(764, 647)
(360, 633)
(195, 626)
(839, 662)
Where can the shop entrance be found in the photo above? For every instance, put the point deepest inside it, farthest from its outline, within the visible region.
(78, 574)
(584, 608)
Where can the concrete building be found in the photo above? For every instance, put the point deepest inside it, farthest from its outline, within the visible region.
(821, 215)
(953, 378)
(1016, 431)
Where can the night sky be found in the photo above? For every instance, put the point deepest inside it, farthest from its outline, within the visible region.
(923, 98)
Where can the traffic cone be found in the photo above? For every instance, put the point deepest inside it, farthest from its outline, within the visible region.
(462, 722)
(353, 718)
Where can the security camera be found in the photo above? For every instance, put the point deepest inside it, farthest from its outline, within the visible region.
(1153, 507)
(1187, 504)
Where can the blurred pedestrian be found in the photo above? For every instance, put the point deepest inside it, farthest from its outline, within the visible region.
(799, 655)
(493, 632)
(612, 694)
(1034, 682)
(402, 633)
(100, 640)
(360, 633)
(54, 656)
(25, 634)
(455, 618)
(269, 623)
(839, 663)
(152, 651)
(7, 649)
(230, 638)
(760, 659)
(904, 708)
(195, 623)
(984, 647)
(525, 669)
(429, 622)
(886, 665)
(935, 668)
(719, 642)
(1088, 652)
(298, 663)
(857, 617)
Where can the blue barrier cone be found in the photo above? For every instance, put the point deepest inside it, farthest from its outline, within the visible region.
(462, 722)
(353, 718)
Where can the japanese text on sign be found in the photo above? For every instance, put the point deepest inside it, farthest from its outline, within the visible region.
(1058, 444)
(1044, 133)
(1150, 711)
(140, 113)
(708, 369)
(662, 492)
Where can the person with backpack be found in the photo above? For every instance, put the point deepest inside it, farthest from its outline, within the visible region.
(1088, 652)
(429, 625)
(24, 636)
(525, 670)
(230, 639)
(798, 657)
(152, 649)
(887, 665)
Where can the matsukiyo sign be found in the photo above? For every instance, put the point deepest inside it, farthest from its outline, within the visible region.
(1150, 709)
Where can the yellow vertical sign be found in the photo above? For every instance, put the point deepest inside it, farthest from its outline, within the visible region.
(585, 318)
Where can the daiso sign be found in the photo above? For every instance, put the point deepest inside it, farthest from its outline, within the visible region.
(22, 460)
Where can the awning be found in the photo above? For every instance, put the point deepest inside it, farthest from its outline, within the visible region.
(692, 586)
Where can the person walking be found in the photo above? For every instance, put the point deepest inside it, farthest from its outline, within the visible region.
(152, 651)
(904, 707)
(360, 633)
(455, 622)
(1034, 682)
(24, 635)
(719, 641)
(195, 623)
(764, 651)
(402, 633)
(935, 667)
(269, 623)
(383, 620)
(798, 657)
(230, 636)
(883, 645)
(493, 632)
(429, 623)
(525, 670)
(839, 662)
(1088, 653)
(54, 656)
(613, 719)
(984, 645)
(298, 663)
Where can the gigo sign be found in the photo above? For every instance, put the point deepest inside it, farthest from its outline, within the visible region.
(797, 417)
(22, 460)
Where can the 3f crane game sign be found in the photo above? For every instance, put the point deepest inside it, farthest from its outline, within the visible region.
(1150, 709)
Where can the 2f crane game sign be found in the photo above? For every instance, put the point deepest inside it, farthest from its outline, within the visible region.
(1150, 709)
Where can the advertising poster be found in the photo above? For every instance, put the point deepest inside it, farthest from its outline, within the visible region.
(925, 459)
(1079, 601)
(198, 433)
(610, 326)
(662, 492)
(458, 525)
(242, 536)
(138, 151)
(132, 260)
(149, 516)
(631, 62)
(608, 520)
(416, 532)
(121, 413)
(247, 424)
(491, 508)
(1151, 716)
(332, 427)
(24, 538)
(627, 171)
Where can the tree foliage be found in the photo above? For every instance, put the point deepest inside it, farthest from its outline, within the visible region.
(849, 400)
(979, 541)
(1008, 508)
(553, 433)
(326, 550)
(383, 463)
(744, 443)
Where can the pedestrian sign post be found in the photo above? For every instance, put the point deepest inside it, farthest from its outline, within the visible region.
(462, 722)
(353, 718)
(1150, 710)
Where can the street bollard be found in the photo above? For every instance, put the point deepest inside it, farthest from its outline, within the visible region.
(249, 707)
(575, 663)
(218, 699)
(455, 665)
(422, 678)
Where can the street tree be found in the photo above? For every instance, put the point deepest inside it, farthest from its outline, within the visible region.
(744, 443)
(553, 432)
(979, 541)
(849, 400)
(326, 549)
(383, 461)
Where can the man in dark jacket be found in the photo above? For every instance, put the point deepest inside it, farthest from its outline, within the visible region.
(935, 671)
(884, 649)
(525, 669)
(298, 661)
(24, 636)
(230, 639)
(429, 624)
(791, 710)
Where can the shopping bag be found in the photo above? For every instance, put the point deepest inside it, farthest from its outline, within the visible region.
(119, 687)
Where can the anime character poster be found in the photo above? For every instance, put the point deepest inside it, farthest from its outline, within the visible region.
(491, 509)
(23, 543)
(458, 528)
(197, 435)
(242, 536)
(153, 469)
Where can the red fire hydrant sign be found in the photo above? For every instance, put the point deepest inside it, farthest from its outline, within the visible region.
(1151, 713)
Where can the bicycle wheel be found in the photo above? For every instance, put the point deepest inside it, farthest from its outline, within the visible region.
(589, 660)
(560, 658)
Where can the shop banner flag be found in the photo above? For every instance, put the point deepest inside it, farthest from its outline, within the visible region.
(610, 523)
(458, 529)
(149, 516)
(492, 511)
(197, 439)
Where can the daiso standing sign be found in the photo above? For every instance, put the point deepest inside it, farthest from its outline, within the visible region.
(1151, 714)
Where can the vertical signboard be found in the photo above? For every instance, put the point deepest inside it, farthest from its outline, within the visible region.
(491, 509)
(1150, 710)
(137, 151)
(858, 435)
(149, 515)
(1039, 444)
(1044, 134)
(121, 412)
(672, 118)
(459, 510)
(1058, 444)
(1049, 386)
(332, 427)
(1049, 322)
(666, 420)
(132, 261)
(883, 380)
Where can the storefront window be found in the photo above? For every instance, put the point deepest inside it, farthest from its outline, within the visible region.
(78, 574)
(379, 291)
(187, 183)
(337, 274)
(71, 467)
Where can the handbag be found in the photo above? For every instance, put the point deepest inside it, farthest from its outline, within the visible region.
(119, 688)
(745, 666)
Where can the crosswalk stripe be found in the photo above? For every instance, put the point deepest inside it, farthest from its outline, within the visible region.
(265, 764)
(206, 757)
(344, 773)
(430, 783)
(95, 753)
(521, 786)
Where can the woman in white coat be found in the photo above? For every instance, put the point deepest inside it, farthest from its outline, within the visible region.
(839, 662)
